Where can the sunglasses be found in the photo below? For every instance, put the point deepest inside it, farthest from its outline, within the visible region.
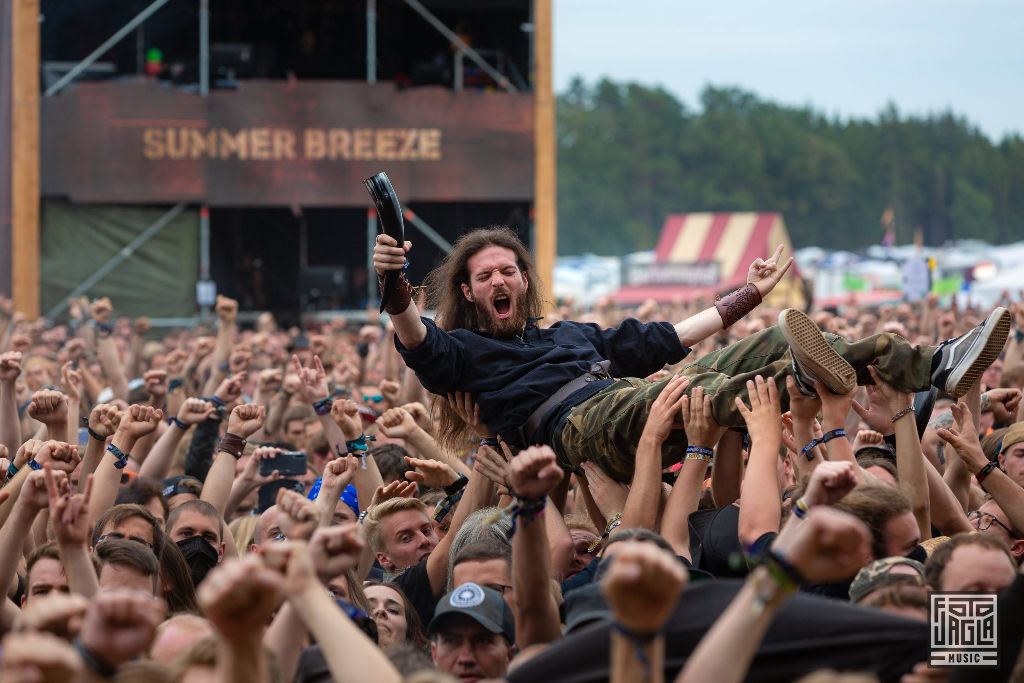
(376, 398)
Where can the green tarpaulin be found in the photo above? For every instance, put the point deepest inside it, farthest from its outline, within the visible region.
(158, 280)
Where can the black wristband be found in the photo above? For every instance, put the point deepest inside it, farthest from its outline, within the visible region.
(456, 486)
(93, 662)
(985, 471)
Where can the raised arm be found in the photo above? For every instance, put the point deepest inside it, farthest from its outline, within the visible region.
(389, 256)
(227, 313)
(641, 509)
(760, 500)
(136, 422)
(193, 411)
(10, 424)
(106, 349)
(762, 276)
(244, 421)
(533, 475)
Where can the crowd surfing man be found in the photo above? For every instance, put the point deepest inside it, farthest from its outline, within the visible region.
(575, 386)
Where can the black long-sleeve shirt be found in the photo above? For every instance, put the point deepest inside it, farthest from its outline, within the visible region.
(510, 378)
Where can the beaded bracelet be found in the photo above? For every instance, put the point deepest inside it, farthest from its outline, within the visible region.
(122, 458)
(526, 509)
(699, 453)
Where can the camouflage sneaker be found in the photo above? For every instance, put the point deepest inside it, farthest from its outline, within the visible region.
(813, 358)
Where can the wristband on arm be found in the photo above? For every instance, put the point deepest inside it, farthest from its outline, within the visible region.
(735, 305)
(232, 444)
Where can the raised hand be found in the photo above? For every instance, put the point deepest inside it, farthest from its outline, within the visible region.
(195, 410)
(34, 494)
(101, 310)
(175, 361)
(396, 489)
(140, 420)
(121, 624)
(292, 561)
(57, 613)
(37, 656)
(71, 381)
(492, 465)
(466, 408)
(397, 423)
(803, 408)
(10, 366)
(239, 597)
(49, 407)
(239, 360)
(877, 413)
(391, 391)
(834, 407)
(251, 469)
(345, 414)
(203, 348)
(534, 473)
(246, 419)
(339, 473)
(609, 495)
(1003, 404)
(419, 413)
(642, 586)
(431, 473)
(270, 380)
(75, 350)
(104, 419)
(828, 545)
(766, 273)
(895, 400)
(666, 410)
(867, 437)
(963, 437)
(701, 428)
(387, 255)
(336, 549)
(69, 512)
(314, 379)
(60, 456)
(155, 382)
(230, 388)
(764, 416)
(227, 309)
(298, 516)
(830, 482)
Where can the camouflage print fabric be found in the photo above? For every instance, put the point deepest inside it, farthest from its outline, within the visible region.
(605, 428)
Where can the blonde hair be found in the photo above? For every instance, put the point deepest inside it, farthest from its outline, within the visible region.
(376, 515)
(243, 530)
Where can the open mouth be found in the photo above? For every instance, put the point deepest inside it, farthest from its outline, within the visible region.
(502, 306)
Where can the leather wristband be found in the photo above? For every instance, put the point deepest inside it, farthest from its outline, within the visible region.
(985, 471)
(401, 295)
(457, 485)
(735, 305)
(232, 443)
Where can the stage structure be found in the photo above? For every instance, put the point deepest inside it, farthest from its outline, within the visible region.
(223, 147)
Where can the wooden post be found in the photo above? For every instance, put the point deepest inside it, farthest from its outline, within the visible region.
(25, 156)
(544, 175)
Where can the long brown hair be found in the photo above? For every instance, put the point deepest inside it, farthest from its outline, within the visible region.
(453, 311)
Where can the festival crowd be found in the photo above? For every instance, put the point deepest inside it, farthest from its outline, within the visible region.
(344, 502)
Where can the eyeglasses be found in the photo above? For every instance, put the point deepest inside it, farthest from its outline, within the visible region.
(984, 520)
(121, 537)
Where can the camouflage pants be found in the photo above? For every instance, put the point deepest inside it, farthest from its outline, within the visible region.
(606, 428)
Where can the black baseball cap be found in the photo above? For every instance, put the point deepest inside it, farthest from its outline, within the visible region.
(483, 605)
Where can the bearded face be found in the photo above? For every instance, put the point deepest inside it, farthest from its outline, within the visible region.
(497, 289)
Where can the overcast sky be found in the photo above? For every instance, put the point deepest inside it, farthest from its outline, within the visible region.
(845, 57)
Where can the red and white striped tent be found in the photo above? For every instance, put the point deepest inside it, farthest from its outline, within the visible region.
(733, 241)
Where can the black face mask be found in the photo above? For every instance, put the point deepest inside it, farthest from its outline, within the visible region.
(918, 553)
(200, 556)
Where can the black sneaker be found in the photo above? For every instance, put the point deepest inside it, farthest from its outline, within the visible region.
(813, 358)
(803, 381)
(962, 360)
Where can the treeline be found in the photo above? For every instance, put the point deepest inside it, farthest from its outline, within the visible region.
(629, 155)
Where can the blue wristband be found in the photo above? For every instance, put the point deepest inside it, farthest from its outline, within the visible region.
(323, 406)
(179, 424)
(34, 465)
(835, 433)
(808, 450)
(122, 459)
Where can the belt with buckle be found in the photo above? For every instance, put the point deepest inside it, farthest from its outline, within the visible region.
(597, 371)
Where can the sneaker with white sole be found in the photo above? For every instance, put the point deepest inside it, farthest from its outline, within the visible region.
(962, 360)
(813, 358)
